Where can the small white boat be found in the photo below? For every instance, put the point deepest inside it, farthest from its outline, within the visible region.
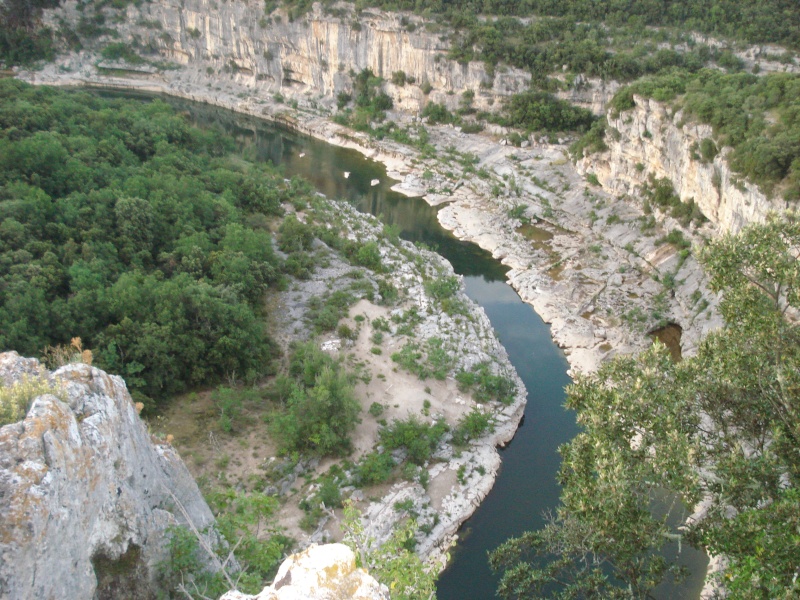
(347, 174)
(374, 182)
(302, 154)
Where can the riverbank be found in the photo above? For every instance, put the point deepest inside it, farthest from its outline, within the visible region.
(588, 266)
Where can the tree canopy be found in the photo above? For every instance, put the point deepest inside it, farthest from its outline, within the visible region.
(126, 227)
(722, 426)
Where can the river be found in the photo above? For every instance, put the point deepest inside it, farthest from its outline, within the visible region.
(526, 486)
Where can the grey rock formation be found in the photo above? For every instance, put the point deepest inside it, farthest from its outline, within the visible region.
(653, 140)
(85, 493)
(325, 572)
(314, 54)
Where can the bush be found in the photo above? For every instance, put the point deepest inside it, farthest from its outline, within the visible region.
(418, 439)
(294, 235)
(15, 400)
(321, 410)
(437, 113)
(472, 426)
(485, 386)
(374, 468)
(442, 287)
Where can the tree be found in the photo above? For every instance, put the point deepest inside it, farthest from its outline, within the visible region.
(321, 408)
(723, 426)
(392, 564)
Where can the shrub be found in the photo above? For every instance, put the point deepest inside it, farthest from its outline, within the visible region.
(418, 439)
(321, 409)
(374, 468)
(485, 386)
(472, 426)
(442, 287)
(15, 400)
(437, 113)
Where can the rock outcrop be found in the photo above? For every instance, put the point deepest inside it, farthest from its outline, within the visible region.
(325, 572)
(650, 139)
(85, 494)
(314, 54)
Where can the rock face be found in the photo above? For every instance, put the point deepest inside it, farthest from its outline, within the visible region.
(314, 54)
(652, 140)
(85, 495)
(325, 572)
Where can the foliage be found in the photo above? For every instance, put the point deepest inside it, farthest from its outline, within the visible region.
(374, 468)
(295, 235)
(472, 426)
(485, 385)
(16, 399)
(592, 141)
(418, 439)
(753, 21)
(121, 51)
(723, 425)
(230, 402)
(442, 288)
(123, 225)
(759, 117)
(437, 114)
(661, 193)
(244, 526)
(392, 563)
(22, 39)
(540, 111)
(434, 361)
(321, 408)
(371, 102)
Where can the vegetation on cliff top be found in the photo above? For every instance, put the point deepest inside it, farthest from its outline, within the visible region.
(753, 21)
(759, 117)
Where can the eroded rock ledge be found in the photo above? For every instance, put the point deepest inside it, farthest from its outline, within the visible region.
(85, 494)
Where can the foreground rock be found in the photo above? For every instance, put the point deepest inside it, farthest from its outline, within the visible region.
(85, 494)
(325, 572)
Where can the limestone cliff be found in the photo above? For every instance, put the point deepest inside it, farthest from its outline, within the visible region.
(85, 494)
(325, 572)
(650, 139)
(314, 54)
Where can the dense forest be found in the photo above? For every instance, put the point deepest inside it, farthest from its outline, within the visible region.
(124, 226)
(753, 21)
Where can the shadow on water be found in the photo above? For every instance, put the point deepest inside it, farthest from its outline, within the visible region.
(526, 487)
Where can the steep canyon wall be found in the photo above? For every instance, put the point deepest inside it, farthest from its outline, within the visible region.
(650, 139)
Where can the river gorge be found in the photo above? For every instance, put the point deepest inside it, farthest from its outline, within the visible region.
(525, 489)
(588, 282)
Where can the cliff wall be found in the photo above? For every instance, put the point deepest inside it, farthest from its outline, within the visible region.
(650, 139)
(85, 495)
(314, 54)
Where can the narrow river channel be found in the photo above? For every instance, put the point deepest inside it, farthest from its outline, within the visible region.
(526, 487)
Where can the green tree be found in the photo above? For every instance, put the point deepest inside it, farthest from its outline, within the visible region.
(321, 408)
(723, 426)
(392, 563)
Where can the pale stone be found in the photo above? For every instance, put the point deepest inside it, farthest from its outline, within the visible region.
(653, 141)
(326, 572)
(81, 480)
